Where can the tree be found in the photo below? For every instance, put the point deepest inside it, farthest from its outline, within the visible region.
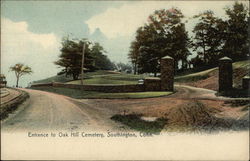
(20, 70)
(148, 55)
(70, 57)
(237, 37)
(208, 39)
(71, 54)
(134, 55)
(164, 34)
(101, 61)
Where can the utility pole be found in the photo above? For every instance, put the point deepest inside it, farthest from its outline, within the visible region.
(82, 65)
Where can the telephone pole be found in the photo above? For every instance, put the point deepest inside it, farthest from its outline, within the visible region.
(82, 65)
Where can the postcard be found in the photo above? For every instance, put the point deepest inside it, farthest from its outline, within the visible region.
(124, 80)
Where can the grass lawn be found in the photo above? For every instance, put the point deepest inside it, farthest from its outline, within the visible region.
(101, 80)
(79, 94)
(205, 74)
(111, 77)
(62, 78)
(119, 78)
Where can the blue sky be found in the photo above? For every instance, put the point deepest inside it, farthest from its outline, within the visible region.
(31, 31)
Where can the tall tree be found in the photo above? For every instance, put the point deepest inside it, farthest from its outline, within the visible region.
(164, 34)
(101, 61)
(134, 55)
(208, 39)
(71, 54)
(70, 57)
(20, 70)
(237, 38)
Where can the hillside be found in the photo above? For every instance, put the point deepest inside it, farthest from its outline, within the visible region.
(205, 79)
(209, 78)
(63, 79)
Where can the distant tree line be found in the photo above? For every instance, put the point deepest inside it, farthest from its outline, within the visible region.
(165, 34)
(71, 56)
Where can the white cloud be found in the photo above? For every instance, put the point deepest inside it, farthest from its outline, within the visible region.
(19, 45)
(125, 20)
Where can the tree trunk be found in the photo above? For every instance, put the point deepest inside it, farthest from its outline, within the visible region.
(75, 76)
(135, 69)
(17, 80)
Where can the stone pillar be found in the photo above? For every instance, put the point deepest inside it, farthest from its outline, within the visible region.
(225, 74)
(246, 82)
(167, 73)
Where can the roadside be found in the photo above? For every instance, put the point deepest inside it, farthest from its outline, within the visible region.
(10, 100)
(188, 107)
(80, 94)
(48, 111)
(187, 102)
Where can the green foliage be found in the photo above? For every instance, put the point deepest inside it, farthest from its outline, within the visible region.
(208, 39)
(71, 56)
(214, 37)
(243, 65)
(164, 34)
(102, 77)
(101, 61)
(120, 78)
(20, 70)
(237, 36)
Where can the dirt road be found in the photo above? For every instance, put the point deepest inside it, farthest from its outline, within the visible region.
(50, 111)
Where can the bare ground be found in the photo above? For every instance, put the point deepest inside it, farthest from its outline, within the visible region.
(46, 110)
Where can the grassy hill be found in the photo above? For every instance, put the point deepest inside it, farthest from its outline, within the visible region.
(119, 78)
(204, 79)
(98, 77)
(209, 78)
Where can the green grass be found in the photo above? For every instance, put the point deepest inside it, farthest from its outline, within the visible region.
(62, 78)
(205, 74)
(242, 64)
(109, 77)
(79, 94)
(57, 78)
(120, 78)
(98, 77)
(103, 80)
(130, 95)
(134, 121)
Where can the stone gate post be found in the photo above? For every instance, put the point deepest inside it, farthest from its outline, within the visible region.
(225, 74)
(167, 73)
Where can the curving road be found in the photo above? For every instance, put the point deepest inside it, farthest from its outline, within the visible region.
(49, 111)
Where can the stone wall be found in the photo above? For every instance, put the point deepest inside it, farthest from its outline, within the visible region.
(152, 84)
(225, 74)
(165, 83)
(42, 85)
(98, 87)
